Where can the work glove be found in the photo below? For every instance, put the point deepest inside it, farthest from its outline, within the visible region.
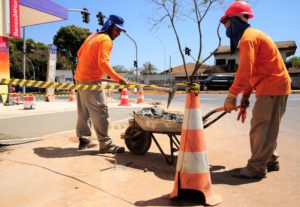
(243, 109)
(245, 102)
(230, 103)
(242, 114)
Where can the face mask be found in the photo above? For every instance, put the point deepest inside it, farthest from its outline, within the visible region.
(235, 32)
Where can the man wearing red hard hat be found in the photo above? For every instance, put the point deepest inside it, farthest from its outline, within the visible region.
(261, 68)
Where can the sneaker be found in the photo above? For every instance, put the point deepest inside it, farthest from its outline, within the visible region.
(245, 173)
(273, 166)
(85, 143)
(114, 149)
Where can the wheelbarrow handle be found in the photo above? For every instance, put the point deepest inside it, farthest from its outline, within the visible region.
(206, 116)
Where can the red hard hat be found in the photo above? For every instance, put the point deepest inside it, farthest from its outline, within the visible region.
(238, 7)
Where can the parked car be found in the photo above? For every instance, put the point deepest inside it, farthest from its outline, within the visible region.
(29, 89)
(216, 82)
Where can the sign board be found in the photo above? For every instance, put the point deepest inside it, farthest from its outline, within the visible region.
(14, 18)
(51, 68)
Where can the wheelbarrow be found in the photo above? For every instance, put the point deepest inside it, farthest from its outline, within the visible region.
(140, 133)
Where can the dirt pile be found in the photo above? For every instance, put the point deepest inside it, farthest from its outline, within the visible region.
(159, 113)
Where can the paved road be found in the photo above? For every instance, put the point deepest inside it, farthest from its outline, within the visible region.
(45, 124)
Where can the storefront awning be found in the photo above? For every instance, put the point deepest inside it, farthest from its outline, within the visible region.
(34, 12)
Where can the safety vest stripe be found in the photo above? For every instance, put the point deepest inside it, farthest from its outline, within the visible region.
(192, 119)
(187, 162)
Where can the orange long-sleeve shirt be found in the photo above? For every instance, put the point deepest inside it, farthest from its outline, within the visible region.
(93, 59)
(261, 66)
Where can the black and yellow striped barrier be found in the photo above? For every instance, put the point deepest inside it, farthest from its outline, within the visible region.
(36, 94)
(66, 86)
(70, 86)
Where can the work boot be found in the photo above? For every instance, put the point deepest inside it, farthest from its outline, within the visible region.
(245, 173)
(85, 143)
(273, 166)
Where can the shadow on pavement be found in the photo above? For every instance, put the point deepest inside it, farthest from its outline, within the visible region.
(186, 198)
(58, 152)
(149, 162)
(225, 177)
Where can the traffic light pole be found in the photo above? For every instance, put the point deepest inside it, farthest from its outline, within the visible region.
(85, 12)
(136, 55)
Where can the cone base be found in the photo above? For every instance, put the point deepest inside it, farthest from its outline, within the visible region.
(210, 198)
(124, 104)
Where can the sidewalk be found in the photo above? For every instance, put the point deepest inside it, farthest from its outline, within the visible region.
(42, 107)
(51, 172)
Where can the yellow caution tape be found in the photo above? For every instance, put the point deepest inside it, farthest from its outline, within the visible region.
(192, 87)
(35, 94)
(64, 86)
(70, 86)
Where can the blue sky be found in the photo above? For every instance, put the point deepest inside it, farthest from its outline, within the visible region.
(276, 18)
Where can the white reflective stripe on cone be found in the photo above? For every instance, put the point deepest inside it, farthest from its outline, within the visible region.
(192, 119)
(187, 162)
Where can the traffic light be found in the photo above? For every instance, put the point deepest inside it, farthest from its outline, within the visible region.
(30, 48)
(187, 51)
(85, 15)
(135, 63)
(100, 18)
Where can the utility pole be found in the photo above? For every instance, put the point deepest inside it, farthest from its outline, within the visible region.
(24, 59)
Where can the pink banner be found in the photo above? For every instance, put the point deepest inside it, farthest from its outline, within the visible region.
(15, 18)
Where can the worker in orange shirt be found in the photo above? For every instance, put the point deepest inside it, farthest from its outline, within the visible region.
(93, 62)
(261, 68)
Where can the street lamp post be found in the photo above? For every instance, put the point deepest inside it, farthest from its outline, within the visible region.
(164, 49)
(136, 55)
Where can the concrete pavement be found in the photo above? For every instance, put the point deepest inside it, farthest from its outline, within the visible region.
(51, 172)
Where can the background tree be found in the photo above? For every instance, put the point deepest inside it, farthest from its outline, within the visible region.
(36, 59)
(120, 69)
(293, 62)
(148, 69)
(68, 40)
(173, 11)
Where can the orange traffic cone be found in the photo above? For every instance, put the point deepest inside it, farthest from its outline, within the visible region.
(192, 170)
(73, 95)
(140, 99)
(124, 98)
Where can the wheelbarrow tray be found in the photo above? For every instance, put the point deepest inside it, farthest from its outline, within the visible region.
(140, 133)
(158, 125)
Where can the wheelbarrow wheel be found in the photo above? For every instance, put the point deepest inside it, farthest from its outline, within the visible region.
(137, 140)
